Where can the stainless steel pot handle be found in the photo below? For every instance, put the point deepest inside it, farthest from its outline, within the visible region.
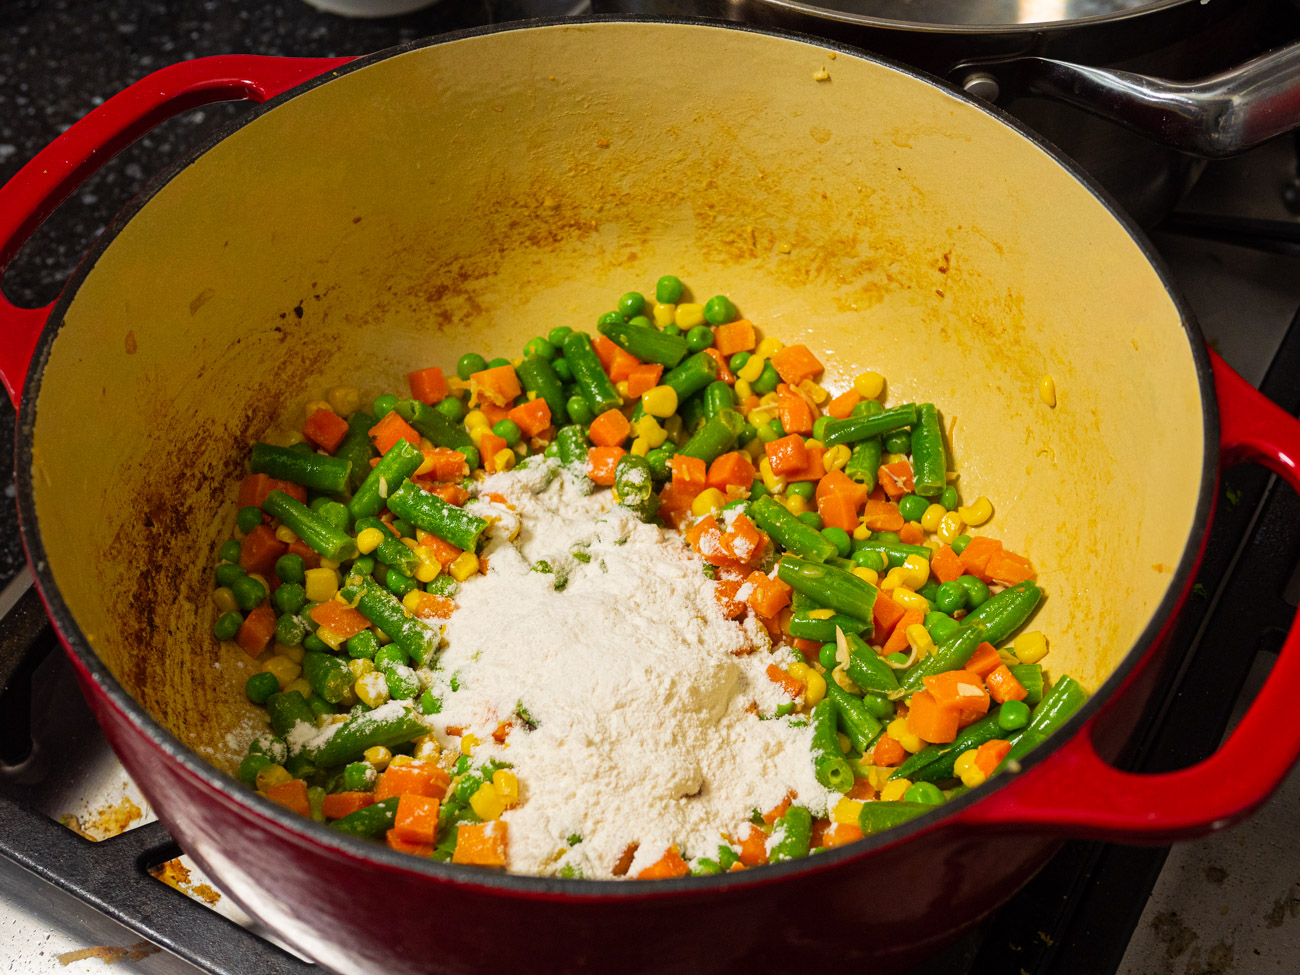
(1214, 117)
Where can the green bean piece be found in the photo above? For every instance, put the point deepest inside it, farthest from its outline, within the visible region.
(429, 422)
(286, 709)
(718, 397)
(322, 537)
(926, 793)
(829, 765)
(595, 387)
(859, 724)
(866, 669)
(351, 738)
(833, 587)
(855, 428)
(382, 608)
(773, 518)
(895, 553)
(373, 821)
(805, 627)
(328, 676)
(929, 460)
(363, 644)
(537, 375)
(691, 376)
(716, 437)
(934, 763)
(1031, 679)
(1056, 708)
(791, 835)
(876, 817)
(864, 462)
(436, 516)
(389, 551)
(951, 654)
(401, 461)
(317, 472)
(646, 344)
(634, 486)
(1006, 612)
(573, 444)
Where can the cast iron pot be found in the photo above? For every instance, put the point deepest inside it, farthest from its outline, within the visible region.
(468, 191)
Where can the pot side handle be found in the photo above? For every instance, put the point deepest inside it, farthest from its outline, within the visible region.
(58, 169)
(1079, 794)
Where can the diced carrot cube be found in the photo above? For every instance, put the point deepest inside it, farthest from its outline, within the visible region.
(767, 596)
(666, 867)
(1003, 685)
(975, 556)
(888, 751)
(897, 642)
(482, 844)
(292, 795)
(787, 454)
(840, 834)
(737, 336)
(489, 445)
(339, 618)
(776, 812)
(259, 550)
(842, 405)
(744, 541)
(429, 386)
(885, 615)
(417, 818)
(984, 661)
(445, 552)
(413, 778)
(958, 690)
(690, 472)
(724, 372)
(429, 606)
(882, 516)
(643, 378)
(606, 349)
(990, 755)
(621, 365)
(945, 565)
(601, 462)
(791, 685)
(395, 842)
(753, 850)
(911, 534)
(1008, 568)
(609, 429)
(731, 470)
(795, 363)
(928, 721)
(837, 482)
(340, 804)
(724, 594)
(532, 417)
(255, 633)
(837, 511)
(814, 470)
(498, 386)
(896, 479)
(796, 414)
(325, 429)
(391, 429)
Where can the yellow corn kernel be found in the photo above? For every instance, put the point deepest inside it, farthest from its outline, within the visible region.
(378, 757)
(1047, 390)
(768, 347)
(878, 775)
(1030, 647)
(963, 762)
(400, 760)
(933, 515)
(869, 385)
(901, 733)
(909, 599)
(427, 571)
(468, 742)
(328, 563)
(282, 669)
(427, 749)
(410, 543)
(466, 565)
(285, 534)
(476, 418)
(972, 776)
(752, 369)
(795, 504)
(950, 526)
(223, 598)
(812, 442)
(977, 512)
(674, 426)
(893, 579)
(814, 392)
(288, 439)
(371, 689)
(623, 388)
(300, 685)
(846, 811)
(916, 571)
(504, 459)
(742, 390)
(316, 404)
(862, 533)
(664, 314)
(774, 483)
(708, 500)
(821, 614)
(844, 743)
(688, 314)
(411, 600)
(895, 789)
(640, 447)
(919, 639)
(507, 786)
(368, 540)
(867, 575)
(661, 401)
(485, 802)
(814, 688)
(321, 585)
(477, 433)
(836, 457)
(344, 399)
(799, 671)
(649, 429)
(771, 399)
(270, 776)
(360, 666)
(761, 414)
(293, 653)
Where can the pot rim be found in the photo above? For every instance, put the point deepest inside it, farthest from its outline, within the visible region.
(278, 819)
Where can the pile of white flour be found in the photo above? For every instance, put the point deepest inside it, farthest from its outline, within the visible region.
(604, 632)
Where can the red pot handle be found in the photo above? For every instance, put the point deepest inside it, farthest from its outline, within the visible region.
(1078, 793)
(59, 168)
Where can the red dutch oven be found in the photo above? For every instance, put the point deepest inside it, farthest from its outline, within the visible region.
(377, 215)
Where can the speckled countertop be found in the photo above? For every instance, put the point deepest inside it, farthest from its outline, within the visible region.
(61, 58)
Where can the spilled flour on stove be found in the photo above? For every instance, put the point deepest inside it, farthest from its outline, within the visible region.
(647, 704)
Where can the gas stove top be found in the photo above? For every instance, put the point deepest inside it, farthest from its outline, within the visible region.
(1225, 904)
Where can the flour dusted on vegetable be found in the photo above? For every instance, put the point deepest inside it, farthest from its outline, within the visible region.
(648, 705)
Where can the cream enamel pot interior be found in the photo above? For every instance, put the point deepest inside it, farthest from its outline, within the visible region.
(470, 192)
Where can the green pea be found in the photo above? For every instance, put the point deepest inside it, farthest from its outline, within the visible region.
(290, 597)
(315, 644)
(669, 289)
(802, 489)
(260, 686)
(819, 427)
(841, 539)
(951, 597)
(402, 686)
(672, 330)
(826, 657)
(924, 792)
(747, 433)
(229, 551)
(289, 630)
(227, 573)
(699, 338)
(563, 371)
(384, 405)
(248, 592)
(899, 442)
(911, 506)
(890, 538)
(358, 777)
(253, 764)
(227, 625)
(719, 310)
(737, 361)
(363, 566)
(611, 318)
(471, 456)
(508, 430)
(758, 490)
(390, 655)
(468, 364)
(336, 514)
(930, 590)
(1013, 715)
(430, 703)
(631, 303)
(767, 380)
(959, 544)
(363, 644)
(452, 408)
(290, 568)
(642, 321)
(579, 410)
(498, 362)
(247, 519)
(552, 450)
(811, 519)
(557, 335)
(870, 559)
(783, 709)
(771, 430)
(977, 593)
(539, 346)
(443, 585)
(949, 498)
(940, 626)
(399, 583)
